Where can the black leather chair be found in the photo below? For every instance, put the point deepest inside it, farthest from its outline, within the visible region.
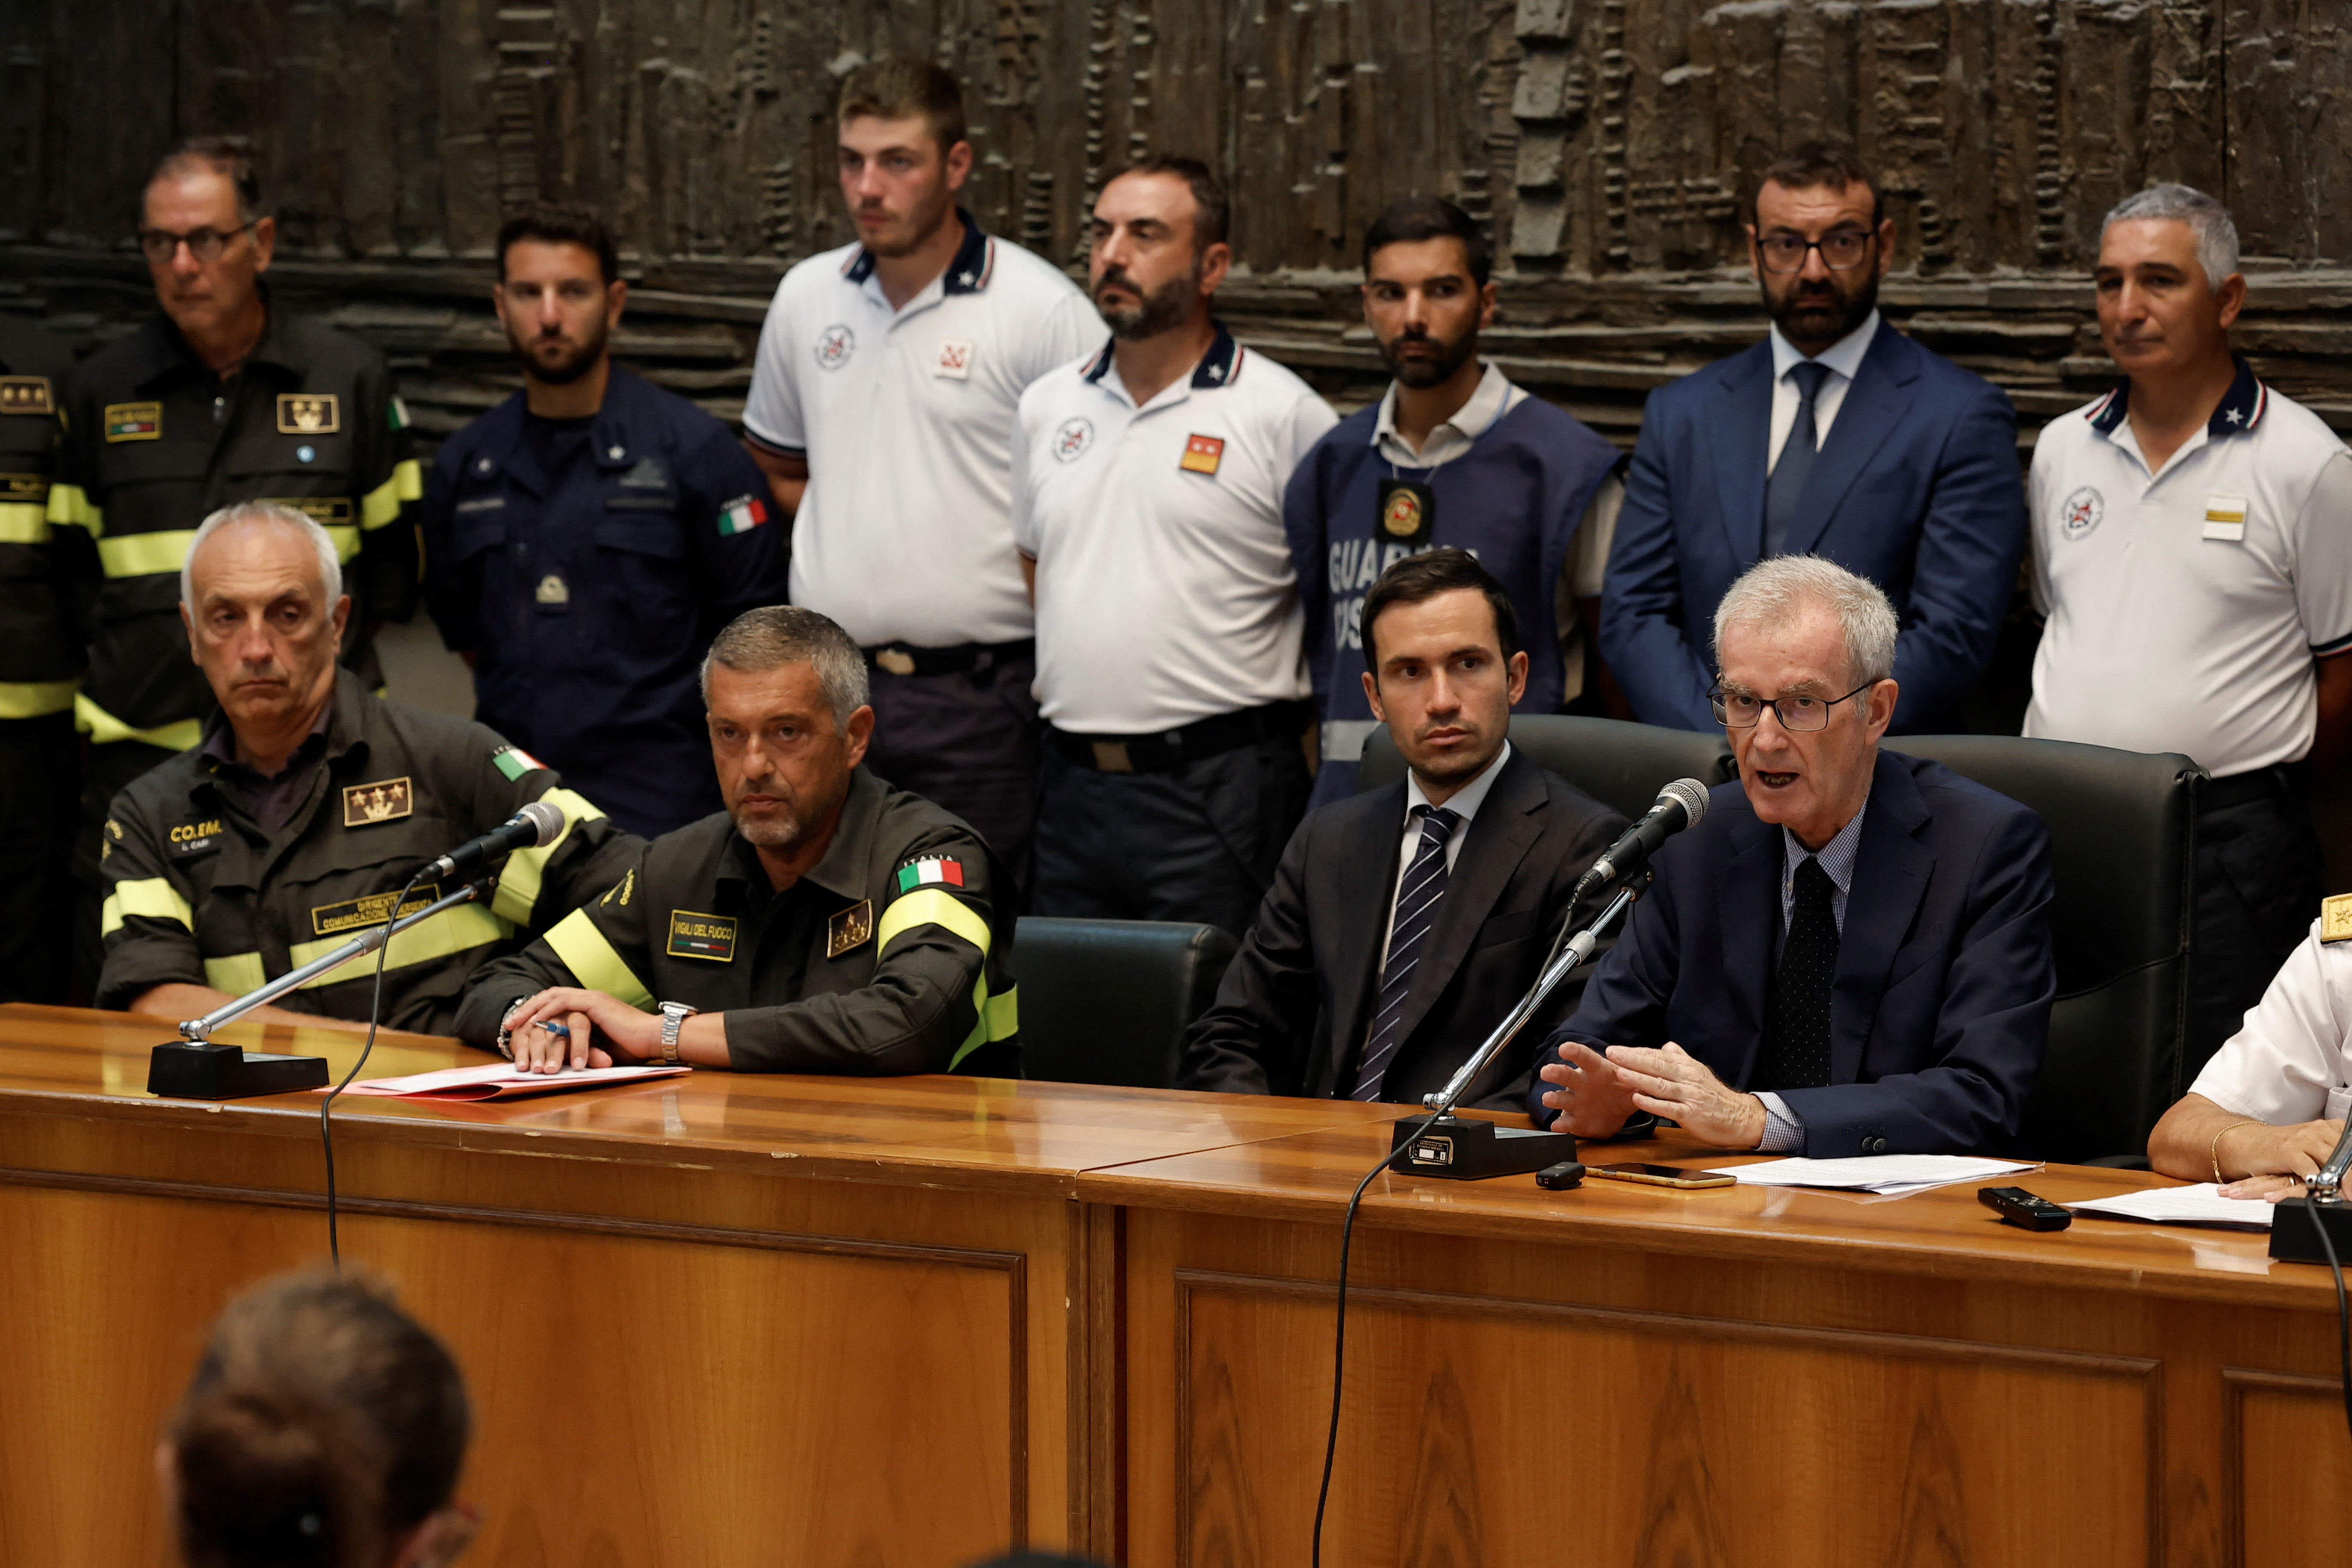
(1107, 1001)
(2123, 832)
(1621, 765)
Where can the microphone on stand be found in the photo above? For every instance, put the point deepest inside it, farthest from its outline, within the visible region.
(535, 826)
(1680, 804)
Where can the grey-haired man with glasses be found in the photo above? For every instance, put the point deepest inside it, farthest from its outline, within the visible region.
(1837, 436)
(1849, 953)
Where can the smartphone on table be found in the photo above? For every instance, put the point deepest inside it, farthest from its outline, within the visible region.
(1660, 1175)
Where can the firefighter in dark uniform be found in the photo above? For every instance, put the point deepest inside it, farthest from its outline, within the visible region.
(586, 539)
(40, 654)
(222, 397)
(824, 922)
(292, 825)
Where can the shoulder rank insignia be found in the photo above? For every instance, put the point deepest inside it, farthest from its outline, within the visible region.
(624, 889)
(133, 421)
(693, 935)
(308, 413)
(852, 928)
(387, 800)
(2336, 918)
(930, 871)
(25, 394)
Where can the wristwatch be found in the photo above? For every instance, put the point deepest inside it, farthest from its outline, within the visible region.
(506, 1027)
(674, 1017)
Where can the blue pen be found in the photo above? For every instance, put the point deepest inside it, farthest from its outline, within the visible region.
(560, 1031)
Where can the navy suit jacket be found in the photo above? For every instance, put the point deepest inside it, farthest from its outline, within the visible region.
(1917, 489)
(1941, 1005)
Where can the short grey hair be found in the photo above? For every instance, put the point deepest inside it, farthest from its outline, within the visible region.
(777, 635)
(2217, 237)
(330, 569)
(1775, 591)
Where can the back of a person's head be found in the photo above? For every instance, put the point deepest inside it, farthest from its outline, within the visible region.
(323, 1427)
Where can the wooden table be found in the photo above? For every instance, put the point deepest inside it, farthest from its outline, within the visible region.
(816, 1321)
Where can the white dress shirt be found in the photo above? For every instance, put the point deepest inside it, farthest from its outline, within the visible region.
(1843, 359)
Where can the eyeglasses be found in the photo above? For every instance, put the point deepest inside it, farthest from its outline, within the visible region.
(1842, 249)
(1741, 711)
(205, 244)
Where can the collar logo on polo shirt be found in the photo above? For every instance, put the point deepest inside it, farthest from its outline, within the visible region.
(1071, 441)
(955, 359)
(2082, 512)
(834, 345)
(1203, 454)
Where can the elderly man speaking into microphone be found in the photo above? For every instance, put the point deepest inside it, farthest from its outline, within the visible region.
(1849, 953)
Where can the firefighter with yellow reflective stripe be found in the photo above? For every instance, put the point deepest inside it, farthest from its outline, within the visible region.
(223, 396)
(293, 824)
(824, 922)
(40, 654)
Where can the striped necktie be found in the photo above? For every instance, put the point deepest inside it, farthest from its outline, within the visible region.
(1416, 911)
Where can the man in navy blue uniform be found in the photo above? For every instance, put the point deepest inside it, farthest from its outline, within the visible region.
(1838, 437)
(586, 539)
(1454, 455)
(1851, 954)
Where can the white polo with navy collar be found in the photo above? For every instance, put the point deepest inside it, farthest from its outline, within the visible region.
(905, 419)
(1165, 592)
(2185, 607)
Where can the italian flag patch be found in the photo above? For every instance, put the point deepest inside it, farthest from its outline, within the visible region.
(741, 515)
(514, 761)
(931, 874)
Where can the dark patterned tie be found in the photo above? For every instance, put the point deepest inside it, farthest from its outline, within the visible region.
(1797, 1018)
(1416, 911)
(1788, 481)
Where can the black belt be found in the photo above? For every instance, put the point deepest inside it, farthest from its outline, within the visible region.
(2282, 781)
(902, 658)
(1174, 748)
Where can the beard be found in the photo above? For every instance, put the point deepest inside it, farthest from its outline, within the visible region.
(915, 230)
(1162, 311)
(563, 368)
(1432, 371)
(1814, 316)
(792, 821)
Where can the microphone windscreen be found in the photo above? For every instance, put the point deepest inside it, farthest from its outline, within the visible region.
(1691, 795)
(547, 818)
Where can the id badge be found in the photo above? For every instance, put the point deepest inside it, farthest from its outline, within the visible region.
(1407, 511)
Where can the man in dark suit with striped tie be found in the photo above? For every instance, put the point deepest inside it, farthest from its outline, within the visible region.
(1404, 923)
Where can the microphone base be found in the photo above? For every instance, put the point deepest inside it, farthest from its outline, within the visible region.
(1466, 1149)
(2294, 1241)
(182, 1070)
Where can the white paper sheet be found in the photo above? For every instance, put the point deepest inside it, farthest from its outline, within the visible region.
(2200, 1205)
(503, 1080)
(1893, 1174)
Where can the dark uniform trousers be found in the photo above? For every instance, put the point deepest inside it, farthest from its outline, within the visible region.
(197, 893)
(2260, 873)
(154, 442)
(889, 956)
(40, 654)
(965, 737)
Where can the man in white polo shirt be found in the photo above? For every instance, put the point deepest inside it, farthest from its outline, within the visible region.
(882, 409)
(2192, 555)
(1148, 483)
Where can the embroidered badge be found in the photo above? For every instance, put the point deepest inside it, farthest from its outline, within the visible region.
(195, 837)
(2082, 512)
(2225, 519)
(741, 515)
(1203, 454)
(852, 928)
(710, 937)
(308, 413)
(25, 394)
(326, 511)
(931, 871)
(834, 345)
(373, 909)
(2336, 918)
(24, 488)
(552, 590)
(624, 889)
(955, 359)
(1071, 441)
(514, 761)
(133, 421)
(387, 800)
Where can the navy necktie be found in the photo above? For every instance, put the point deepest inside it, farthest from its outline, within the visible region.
(1788, 481)
(1796, 1017)
(1416, 912)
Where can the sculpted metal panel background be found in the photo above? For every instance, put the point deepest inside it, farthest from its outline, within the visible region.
(1609, 142)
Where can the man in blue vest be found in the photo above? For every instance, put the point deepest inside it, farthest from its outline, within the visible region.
(1454, 455)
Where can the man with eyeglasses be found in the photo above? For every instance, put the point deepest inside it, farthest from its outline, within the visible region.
(1839, 437)
(223, 396)
(1851, 954)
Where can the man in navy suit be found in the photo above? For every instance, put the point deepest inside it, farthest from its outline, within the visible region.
(1839, 437)
(1849, 953)
(1404, 923)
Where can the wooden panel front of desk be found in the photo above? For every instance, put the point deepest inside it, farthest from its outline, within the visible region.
(1622, 1377)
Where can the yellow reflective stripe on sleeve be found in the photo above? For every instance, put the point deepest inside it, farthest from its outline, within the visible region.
(70, 505)
(236, 974)
(104, 729)
(381, 504)
(460, 930)
(145, 555)
(1005, 1015)
(152, 896)
(1000, 1019)
(32, 699)
(593, 963)
(23, 523)
(526, 869)
(930, 906)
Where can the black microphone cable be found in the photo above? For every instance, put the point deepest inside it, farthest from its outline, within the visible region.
(1340, 1343)
(327, 1107)
(2343, 1318)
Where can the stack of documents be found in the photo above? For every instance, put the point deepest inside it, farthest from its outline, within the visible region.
(2200, 1205)
(1885, 1174)
(503, 1080)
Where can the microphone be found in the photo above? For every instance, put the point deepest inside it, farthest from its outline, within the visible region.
(535, 826)
(1680, 804)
